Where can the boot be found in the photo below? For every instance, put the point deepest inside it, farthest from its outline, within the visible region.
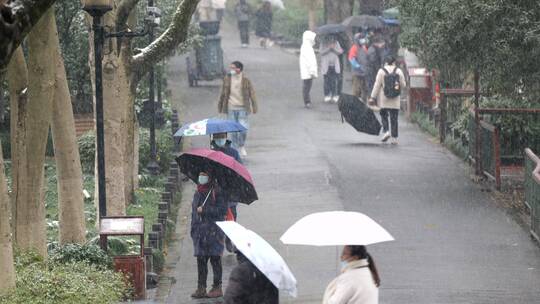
(215, 292)
(200, 293)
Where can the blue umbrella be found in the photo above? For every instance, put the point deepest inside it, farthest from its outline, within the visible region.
(209, 126)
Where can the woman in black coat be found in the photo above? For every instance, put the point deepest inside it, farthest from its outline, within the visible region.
(247, 285)
(263, 25)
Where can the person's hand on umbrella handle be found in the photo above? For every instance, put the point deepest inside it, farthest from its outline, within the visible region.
(199, 210)
(372, 101)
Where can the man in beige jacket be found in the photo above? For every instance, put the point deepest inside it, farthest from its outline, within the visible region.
(387, 94)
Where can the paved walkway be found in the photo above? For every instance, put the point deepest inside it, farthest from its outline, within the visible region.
(453, 245)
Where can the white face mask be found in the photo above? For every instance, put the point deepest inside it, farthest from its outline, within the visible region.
(220, 142)
(344, 265)
(232, 72)
(203, 179)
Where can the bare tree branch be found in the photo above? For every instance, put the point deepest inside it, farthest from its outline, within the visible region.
(17, 17)
(122, 13)
(176, 33)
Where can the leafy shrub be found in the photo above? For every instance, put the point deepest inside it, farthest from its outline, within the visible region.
(90, 253)
(159, 260)
(164, 143)
(87, 150)
(6, 144)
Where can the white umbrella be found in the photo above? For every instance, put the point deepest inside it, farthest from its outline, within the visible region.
(262, 255)
(277, 3)
(335, 228)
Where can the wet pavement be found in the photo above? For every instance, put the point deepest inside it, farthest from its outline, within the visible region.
(453, 245)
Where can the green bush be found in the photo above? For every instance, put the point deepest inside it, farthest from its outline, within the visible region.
(6, 145)
(164, 143)
(72, 253)
(87, 151)
(40, 282)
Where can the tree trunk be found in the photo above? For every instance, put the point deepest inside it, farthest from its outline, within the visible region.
(370, 7)
(7, 275)
(30, 210)
(338, 10)
(17, 82)
(66, 152)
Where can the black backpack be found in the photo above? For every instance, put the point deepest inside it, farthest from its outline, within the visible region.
(392, 86)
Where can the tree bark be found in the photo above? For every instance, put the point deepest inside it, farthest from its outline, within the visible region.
(17, 82)
(338, 10)
(30, 210)
(17, 18)
(66, 152)
(370, 7)
(7, 275)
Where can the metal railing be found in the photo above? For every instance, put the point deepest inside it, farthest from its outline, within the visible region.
(532, 190)
(490, 149)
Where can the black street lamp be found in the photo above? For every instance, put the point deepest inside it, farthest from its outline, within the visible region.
(153, 166)
(96, 9)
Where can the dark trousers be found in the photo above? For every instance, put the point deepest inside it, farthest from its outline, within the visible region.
(331, 82)
(202, 270)
(393, 113)
(306, 90)
(243, 27)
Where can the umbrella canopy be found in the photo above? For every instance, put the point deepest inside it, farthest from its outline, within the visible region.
(277, 3)
(335, 228)
(358, 115)
(363, 21)
(209, 126)
(231, 175)
(329, 29)
(262, 255)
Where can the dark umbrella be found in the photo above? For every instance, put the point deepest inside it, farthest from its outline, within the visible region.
(358, 115)
(230, 175)
(329, 29)
(363, 21)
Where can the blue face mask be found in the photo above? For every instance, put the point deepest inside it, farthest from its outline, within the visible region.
(343, 264)
(220, 142)
(232, 72)
(203, 179)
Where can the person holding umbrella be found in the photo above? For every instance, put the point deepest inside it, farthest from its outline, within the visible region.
(208, 207)
(358, 57)
(248, 285)
(330, 51)
(359, 280)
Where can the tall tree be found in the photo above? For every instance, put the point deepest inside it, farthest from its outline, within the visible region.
(370, 7)
(17, 17)
(7, 275)
(66, 152)
(35, 116)
(122, 72)
(338, 10)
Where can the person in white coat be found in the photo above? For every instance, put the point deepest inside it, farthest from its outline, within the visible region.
(308, 65)
(359, 280)
(387, 94)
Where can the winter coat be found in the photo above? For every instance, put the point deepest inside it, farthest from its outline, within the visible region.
(227, 149)
(263, 23)
(242, 12)
(248, 94)
(247, 285)
(378, 89)
(360, 53)
(208, 238)
(308, 61)
(219, 4)
(354, 285)
(330, 57)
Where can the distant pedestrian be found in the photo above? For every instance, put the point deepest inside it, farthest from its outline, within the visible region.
(330, 51)
(243, 11)
(209, 206)
(308, 65)
(219, 7)
(238, 100)
(205, 10)
(376, 55)
(263, 24)
(390, 80)
(358, 282)
(358, 57)
(247, 285)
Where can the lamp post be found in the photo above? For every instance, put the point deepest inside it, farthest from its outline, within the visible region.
(153, 166)
(96, 9)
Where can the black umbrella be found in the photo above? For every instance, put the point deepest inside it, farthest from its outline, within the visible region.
(329, 29)
(358, 115)
(364, 21)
